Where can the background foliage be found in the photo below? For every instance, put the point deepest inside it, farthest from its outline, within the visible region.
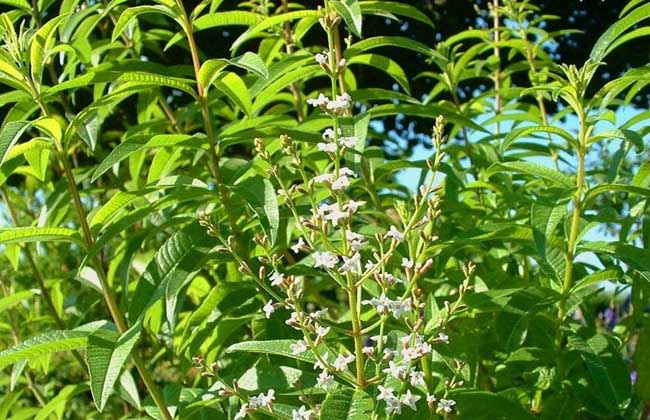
(135, 200)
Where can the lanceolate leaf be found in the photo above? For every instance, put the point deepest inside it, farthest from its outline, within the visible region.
(131, 13)
(15, 298)
(142, 141)
(351, 13)
(261, 197)
(534, 170)
(175, 263)
(602, 47)
(276, 347)
(106, 352)
(9, 135)
(347, 404)
(610, 379)
(44, 344)
(39, 234)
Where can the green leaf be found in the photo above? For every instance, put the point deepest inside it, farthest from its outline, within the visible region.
(211, 69)
(642, 362)
(42, 345)
(387, 41)
(9, 135)
(545, 218)
(384, 64)
(389, 9)
(350, 11)
(106, 352)
(271, 22)
(276, 347)
(603, 188)
(609, 274)
(145, 141)
(610, 378)
(427, 111)
(603, 46)
(260, 195)
(38, 234)
(347, 404)
(19, 4)
(15, 298)
(216, 20)
(636, 258)
(131, 13)
(532, 169)
(479, 405)
(57, 404)
(175, 263)
(39, 45)
(514, 135)
(235, 89)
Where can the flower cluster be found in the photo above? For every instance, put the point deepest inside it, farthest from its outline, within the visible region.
(379, 268)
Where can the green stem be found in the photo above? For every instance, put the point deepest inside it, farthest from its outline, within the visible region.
(113, 307)
(45, 294)
(573, 237)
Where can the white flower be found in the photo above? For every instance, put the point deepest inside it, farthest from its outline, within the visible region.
(321, 58)
(351, 264)
(325, 380)
(368, 350)
(327, 147)
(416, 378)
(385, 394)
(346, 171)
(325, 259)
(319, 314)
(349, 141)
(268, 309)
(353, 206)
(410, 400)
(443, 337)
(395, 370)
(341, 362)
(329, 133)
(388, 353)
(335, 215)
(376, 338)
(431, 399)
(355, 240)
(298, 245)
(407, 263)
(321, 100)
(276, 278)
(382, 304)
(293, 321)
(262, 400)
(393, 406)
(324, 178)
(322, 331)
(298, 347)
(341, 102)
(446, 405)
(301, 414)
(342, 62)
(395, 234)
(341, 182)
(398, 307)
(243, 412)
(319, 365)
(410, 353)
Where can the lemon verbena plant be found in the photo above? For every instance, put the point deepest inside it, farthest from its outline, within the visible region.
(321, 210)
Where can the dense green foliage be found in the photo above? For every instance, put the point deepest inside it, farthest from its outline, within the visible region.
(224, 237)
